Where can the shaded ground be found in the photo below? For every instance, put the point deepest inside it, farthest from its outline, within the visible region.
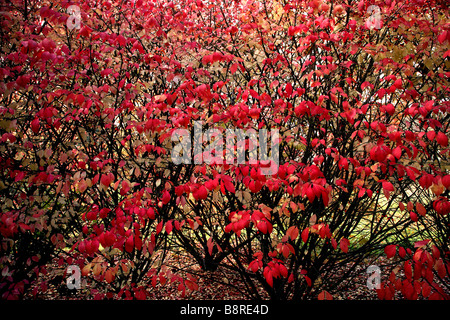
(217, 285)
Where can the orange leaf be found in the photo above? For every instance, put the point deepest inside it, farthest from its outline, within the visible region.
(109, 276)
(97, 269)
(86, 269)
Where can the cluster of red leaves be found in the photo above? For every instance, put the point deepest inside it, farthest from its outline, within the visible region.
(424, 273)
(89, 114)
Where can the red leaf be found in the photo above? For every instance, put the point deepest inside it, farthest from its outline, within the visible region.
(408, 290)
(436, 252)
(397, 152)
(379, 153)
(22, 81)
(442, 139)
(310, 193)
(181, 288)
(201, 193)
(110, 239)
(305, 234)
(334, 243)
(381, 292)
(166, 197)
(234, 68)
(210, 245)
(292, 233)
(343, 164)
(109, 276)
(291, 248)
(435, 296)
(191, 285)
(446, 181)
(159, 227)
(440, 268)
(442, 206)
(431, 135)
(308, 280)
(106, 72)
(344, 243)
(254, 265)
(446, 54)
(398, 83)
(105, 180)
(121, 40)
(268, 275)
(152, 22)
(426, 289)
(408, 269)
(422, 243)
(150, 213)
(411, 173)
(420, 209)
(288, 90)
(264, 226)
(91, 215)
(390, 250)
(229, 186)
(389, 108)
(85, 31)
(387, 188)
(129, 244)
(285, 250)
(35, 126)
(325, 295)
(169, 226)
(442, 37)
(402, 252)
(19, 176)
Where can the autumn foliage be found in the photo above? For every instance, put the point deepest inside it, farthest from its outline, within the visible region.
(87, 120)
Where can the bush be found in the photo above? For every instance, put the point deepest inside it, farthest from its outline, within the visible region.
(108, 113)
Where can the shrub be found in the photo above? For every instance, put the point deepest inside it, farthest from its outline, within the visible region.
(95, 99)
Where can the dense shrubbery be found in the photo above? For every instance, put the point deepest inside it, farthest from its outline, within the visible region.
(88, 117)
